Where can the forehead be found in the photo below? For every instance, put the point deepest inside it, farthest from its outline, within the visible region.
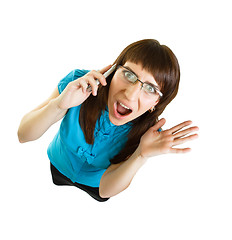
(140, 72)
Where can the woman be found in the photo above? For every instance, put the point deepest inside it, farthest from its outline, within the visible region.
(106, 135)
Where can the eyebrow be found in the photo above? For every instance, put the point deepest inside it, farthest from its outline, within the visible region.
(128, 68)
(154, 85)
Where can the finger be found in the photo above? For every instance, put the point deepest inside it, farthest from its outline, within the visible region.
(93, 84)
(98, 76)
(159, 124)
(180, 150)
(180, 126)
(83, 85)
(184, 140)
(103, 70)
(185, 132)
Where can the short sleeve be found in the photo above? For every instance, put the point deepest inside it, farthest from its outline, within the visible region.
(75, 74)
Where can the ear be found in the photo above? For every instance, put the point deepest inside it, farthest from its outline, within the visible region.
(153, 107)
(157, 101)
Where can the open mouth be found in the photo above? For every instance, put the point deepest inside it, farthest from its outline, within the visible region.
(122, 110)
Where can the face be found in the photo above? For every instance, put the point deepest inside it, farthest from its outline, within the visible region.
(127, 101)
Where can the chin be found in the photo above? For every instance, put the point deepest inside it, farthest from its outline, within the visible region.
(118, 122)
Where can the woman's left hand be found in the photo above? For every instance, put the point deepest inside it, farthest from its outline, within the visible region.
(154, 143)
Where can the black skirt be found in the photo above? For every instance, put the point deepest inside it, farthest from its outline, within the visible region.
(61, 180)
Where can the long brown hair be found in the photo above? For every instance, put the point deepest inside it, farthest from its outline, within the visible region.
(158, 60)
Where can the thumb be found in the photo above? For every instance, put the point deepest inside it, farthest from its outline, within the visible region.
(103, 70)
(159, 124)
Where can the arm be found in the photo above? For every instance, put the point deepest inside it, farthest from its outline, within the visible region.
(35, 123)
(119, 176)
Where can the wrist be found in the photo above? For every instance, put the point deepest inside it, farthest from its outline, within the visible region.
(138, 155)
(53, 104)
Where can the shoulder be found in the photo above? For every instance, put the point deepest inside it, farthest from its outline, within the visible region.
(77, 73)
(73, 75)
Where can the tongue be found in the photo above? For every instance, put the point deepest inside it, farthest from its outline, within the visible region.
(122, 110)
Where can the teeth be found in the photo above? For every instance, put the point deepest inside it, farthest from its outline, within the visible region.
(124, 106)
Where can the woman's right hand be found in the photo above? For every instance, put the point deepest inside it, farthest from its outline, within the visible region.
(76, 92)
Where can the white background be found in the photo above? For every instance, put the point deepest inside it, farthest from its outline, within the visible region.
(172, 196)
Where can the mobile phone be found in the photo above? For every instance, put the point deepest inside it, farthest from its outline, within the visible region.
(106, 74)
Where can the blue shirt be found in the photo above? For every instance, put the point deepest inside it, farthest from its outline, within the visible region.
(72, 156)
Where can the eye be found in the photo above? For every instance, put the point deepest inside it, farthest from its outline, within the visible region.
(149, 88)
(130, 76)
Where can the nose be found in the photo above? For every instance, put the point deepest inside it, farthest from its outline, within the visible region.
(133, 91)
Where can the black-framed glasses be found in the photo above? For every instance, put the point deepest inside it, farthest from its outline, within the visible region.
(131, 77)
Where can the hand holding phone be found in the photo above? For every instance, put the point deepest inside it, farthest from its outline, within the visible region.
(106, 74)
(77, 91)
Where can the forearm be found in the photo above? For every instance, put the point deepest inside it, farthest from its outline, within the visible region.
(117, 180)
(34, 124)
